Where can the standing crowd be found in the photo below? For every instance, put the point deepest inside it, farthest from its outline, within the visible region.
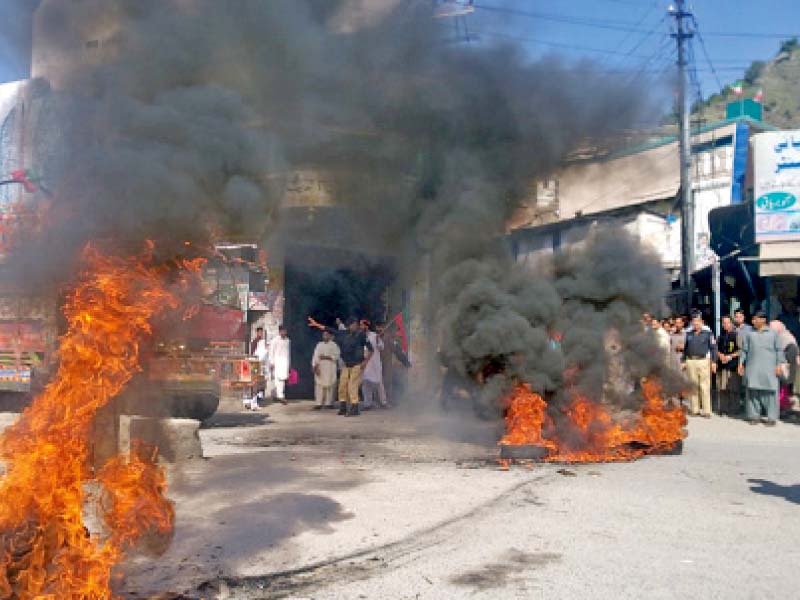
(348, 366)
(354, 351)
(754, 366)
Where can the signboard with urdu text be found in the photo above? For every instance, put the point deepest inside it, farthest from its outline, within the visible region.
(776, 157)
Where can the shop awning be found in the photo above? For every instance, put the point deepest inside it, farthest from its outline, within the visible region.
(779, 258)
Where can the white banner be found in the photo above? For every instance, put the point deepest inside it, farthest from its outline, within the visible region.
(776, 156)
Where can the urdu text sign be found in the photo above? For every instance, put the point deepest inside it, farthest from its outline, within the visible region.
(777, 186)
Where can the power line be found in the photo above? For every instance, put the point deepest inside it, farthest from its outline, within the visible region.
(628, 26)
(694, 80)
(531, 40)
(748, 34)
(705, 52)
(627, 36)
(630, 2)
(734, 60)
(646, 59)
(646, 37)
(659, 52)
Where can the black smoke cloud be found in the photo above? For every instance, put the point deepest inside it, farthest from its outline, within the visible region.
(570, 326)
(605, 287)
(188, 125)
(184, 125)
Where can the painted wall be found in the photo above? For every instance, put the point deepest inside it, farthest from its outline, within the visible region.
(531, 247)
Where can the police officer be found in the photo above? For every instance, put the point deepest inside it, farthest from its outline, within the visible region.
(699, 361)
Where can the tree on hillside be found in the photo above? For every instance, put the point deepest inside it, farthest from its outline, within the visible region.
(753, 72)
(788, 45)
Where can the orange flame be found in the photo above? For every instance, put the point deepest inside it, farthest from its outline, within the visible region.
(46, 552)
(525, 417)
(586, 432)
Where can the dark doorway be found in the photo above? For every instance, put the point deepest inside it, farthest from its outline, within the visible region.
(328, 283)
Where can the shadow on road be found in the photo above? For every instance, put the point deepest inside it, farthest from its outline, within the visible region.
(791, 493)
(231, 510)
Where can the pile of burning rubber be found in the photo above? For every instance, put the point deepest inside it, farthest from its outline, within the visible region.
(586, 431)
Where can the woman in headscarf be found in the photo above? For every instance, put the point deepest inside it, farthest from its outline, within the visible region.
(790, 349)
(677, 339)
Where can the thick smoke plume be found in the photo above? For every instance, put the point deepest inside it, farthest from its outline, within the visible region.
(185, 125)
(570, 327)
(197, 111)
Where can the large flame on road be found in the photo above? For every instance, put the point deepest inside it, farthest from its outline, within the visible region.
(46, 551)
(586, 432)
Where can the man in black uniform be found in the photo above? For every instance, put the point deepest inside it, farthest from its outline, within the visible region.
(699, 361)
(729, 382)
(356, 350)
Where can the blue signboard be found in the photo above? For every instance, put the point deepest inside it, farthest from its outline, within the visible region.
(739, 162)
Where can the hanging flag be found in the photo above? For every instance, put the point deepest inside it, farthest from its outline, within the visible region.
(737, 88)
(21, 176)
(759, 97)
(401, 330)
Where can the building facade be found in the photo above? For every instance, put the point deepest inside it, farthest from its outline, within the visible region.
(639, 188)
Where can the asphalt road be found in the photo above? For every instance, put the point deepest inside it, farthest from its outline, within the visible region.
(309, 505)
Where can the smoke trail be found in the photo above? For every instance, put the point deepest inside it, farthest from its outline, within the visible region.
(192, 108)
(192, 113)
(569, 328)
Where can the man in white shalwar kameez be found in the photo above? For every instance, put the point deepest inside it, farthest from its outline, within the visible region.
(324, 362)
(260, 350)
(280, 362)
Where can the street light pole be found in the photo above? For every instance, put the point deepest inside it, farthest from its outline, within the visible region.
(681, 36)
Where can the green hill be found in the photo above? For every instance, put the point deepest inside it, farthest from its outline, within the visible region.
(779, 78)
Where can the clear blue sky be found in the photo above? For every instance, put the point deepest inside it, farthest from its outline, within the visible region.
(634, 34)
(574, 29)
(15, 38)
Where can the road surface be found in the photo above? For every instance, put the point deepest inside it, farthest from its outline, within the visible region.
(303, 504)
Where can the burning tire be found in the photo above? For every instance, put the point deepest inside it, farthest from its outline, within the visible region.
(676, 450)
(530, 452)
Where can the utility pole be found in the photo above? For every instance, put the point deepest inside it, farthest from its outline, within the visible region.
(681, 36)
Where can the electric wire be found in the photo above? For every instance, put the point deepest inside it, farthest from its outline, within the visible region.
(705, 52)
(530, 40)
(628, 26)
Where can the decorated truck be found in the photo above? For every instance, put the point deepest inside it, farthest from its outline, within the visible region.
(28, 332)
(186, 365)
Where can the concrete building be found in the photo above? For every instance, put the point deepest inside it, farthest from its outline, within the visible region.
(639, 188)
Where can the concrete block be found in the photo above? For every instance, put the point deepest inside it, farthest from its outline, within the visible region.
(177, 439)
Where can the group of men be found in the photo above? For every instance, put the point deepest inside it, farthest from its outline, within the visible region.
(350, 353)
(756, 364)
